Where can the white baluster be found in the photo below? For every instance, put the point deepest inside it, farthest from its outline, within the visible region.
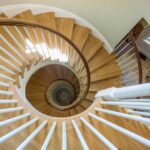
(6, 110)
(126, 103)
(48, 138)
(6, 93)
(31, 136)
(3, 101)
(16, 41)
(123, 48)
(136, 107)
(30, 42)
(146, 114)
(10, 64)
(64, 136)
(79, 134)
(17, 130)
(11, 120)
(99, 135)
(39, 46)
(9, 55)
(15, 51)
(126, 132)
(4, 84)
(123, 115)
(44, 45)
(7, 70)
(6, 77)
(135, 100)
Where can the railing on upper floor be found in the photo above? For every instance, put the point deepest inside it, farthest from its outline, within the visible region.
(128, 58)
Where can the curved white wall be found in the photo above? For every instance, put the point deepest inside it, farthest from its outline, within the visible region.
(112, 18)
(12, 10)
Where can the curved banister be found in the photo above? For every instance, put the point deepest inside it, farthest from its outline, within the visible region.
(138, 57)
(16, 22)
(81, 119)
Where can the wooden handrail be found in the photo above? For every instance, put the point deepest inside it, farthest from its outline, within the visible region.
(130, 38)
(137, 56)
(17, 22)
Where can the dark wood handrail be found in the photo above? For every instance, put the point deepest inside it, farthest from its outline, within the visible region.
(130, 38)
(137, 56)
(17, 22)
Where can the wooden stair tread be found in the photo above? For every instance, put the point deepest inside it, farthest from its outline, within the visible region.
(25, 15)
(105, 73)
(80, 35)
(100, 59)
(91, 46)
(109, 133)
(108, 71)
(47, 19)
(90, 96)
(65, 26)
(86, 103)
(80, 108)
(73, 111)
(100, 85)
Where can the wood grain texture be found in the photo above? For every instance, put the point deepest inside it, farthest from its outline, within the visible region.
(46, 19)
(65, 26)
(91, 47)
(107, 71)
(40, 81)
(104, 73)
(80, 35)
(100, 59)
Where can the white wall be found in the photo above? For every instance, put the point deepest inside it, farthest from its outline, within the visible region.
(113, 18)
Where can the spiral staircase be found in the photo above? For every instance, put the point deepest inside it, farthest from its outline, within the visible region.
(50, 71)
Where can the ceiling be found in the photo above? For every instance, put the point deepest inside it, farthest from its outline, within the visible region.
(112, 18)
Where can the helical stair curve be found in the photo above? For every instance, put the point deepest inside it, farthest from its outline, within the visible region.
(79, 62)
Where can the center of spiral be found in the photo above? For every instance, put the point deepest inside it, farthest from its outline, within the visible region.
(60, 93)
